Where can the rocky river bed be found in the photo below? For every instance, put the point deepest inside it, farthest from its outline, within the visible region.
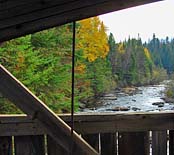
(142, 99)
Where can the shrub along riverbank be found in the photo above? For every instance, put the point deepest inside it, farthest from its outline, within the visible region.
(169, 93)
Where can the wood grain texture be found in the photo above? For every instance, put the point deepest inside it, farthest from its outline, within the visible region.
(6, 145)
(133, 143)
(19, 18)
(92, 123)
(159, 142)
(93, 140)
(109, 123)
(16, 92)
(171, 142)
(108, 144)
(29, 145)
(54, 148)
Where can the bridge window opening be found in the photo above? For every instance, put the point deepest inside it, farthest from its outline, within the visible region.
(139, 51)
(120, 60)
(115, 73)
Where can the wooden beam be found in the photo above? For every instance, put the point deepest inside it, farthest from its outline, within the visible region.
(92, 123)
(29, 145)
(108, 123)
(133, 143)
(159, 143)
(15, 91)
(22, 19)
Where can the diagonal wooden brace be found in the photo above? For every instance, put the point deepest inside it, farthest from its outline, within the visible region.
(16, 92)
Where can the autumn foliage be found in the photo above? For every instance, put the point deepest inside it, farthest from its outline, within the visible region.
(42, 61)
(92, 39)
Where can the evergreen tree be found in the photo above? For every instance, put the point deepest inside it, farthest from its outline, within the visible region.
(112, 52)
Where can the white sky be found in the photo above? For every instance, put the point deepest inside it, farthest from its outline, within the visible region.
(144, 20)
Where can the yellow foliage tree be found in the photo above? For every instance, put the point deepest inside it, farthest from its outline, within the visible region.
(147, 53)
(121, 48)
(92, 39)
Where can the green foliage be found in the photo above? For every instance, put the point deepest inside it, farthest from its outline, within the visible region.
(162, 53)
(170, 90)
(42, 61)
(100, 76)
(6, 107)
(132, 62)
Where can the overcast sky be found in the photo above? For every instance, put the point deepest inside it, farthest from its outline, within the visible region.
(144, 20)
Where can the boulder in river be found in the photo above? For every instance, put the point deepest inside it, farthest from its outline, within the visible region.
(82, 106)
(159, 104)
(109, 97)
(168, 100)
(135, 109)
(130, 90)
(120, 109)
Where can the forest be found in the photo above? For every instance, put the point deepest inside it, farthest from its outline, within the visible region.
(42, 61)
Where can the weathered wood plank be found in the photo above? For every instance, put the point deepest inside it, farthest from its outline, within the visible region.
(5, 145)
(92, 123)
(19, 125)
(29, 145)
(93, 140)
(109, 123)
(15, 4)
(159, 143)
(171, 142)
(35, 7)
(39, 19)
(108, 144)
(6, 5)
(16, 92)
(132, 143)
(53, 148)
(40, 9)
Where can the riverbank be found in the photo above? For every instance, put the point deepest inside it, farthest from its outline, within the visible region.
(169, 93)
(100, 100)
(144, 98)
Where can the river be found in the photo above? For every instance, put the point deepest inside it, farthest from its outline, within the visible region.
(141, 101)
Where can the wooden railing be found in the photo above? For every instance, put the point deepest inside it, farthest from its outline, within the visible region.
(109, 134)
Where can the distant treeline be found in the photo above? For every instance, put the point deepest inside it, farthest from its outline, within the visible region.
(137, 63)
(42, 61)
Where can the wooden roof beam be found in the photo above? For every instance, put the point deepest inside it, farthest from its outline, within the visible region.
(16, 92)
(18, 18)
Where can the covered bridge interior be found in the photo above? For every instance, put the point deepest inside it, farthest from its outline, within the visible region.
(22, 17)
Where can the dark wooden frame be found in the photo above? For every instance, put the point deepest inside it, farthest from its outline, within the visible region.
(21, 17)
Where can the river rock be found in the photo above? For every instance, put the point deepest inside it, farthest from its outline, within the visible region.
(120, 109)
(135, 109)
(159, 104)
(82, 106)
(130, 90)
(168, 100)
(109, 97)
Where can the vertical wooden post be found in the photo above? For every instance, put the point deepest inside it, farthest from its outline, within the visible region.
(171, 142)
(133, 143)
(93, 140)
(24, 99)
(29, 145)
(159, 143)
(108, 144)
(5, 145)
